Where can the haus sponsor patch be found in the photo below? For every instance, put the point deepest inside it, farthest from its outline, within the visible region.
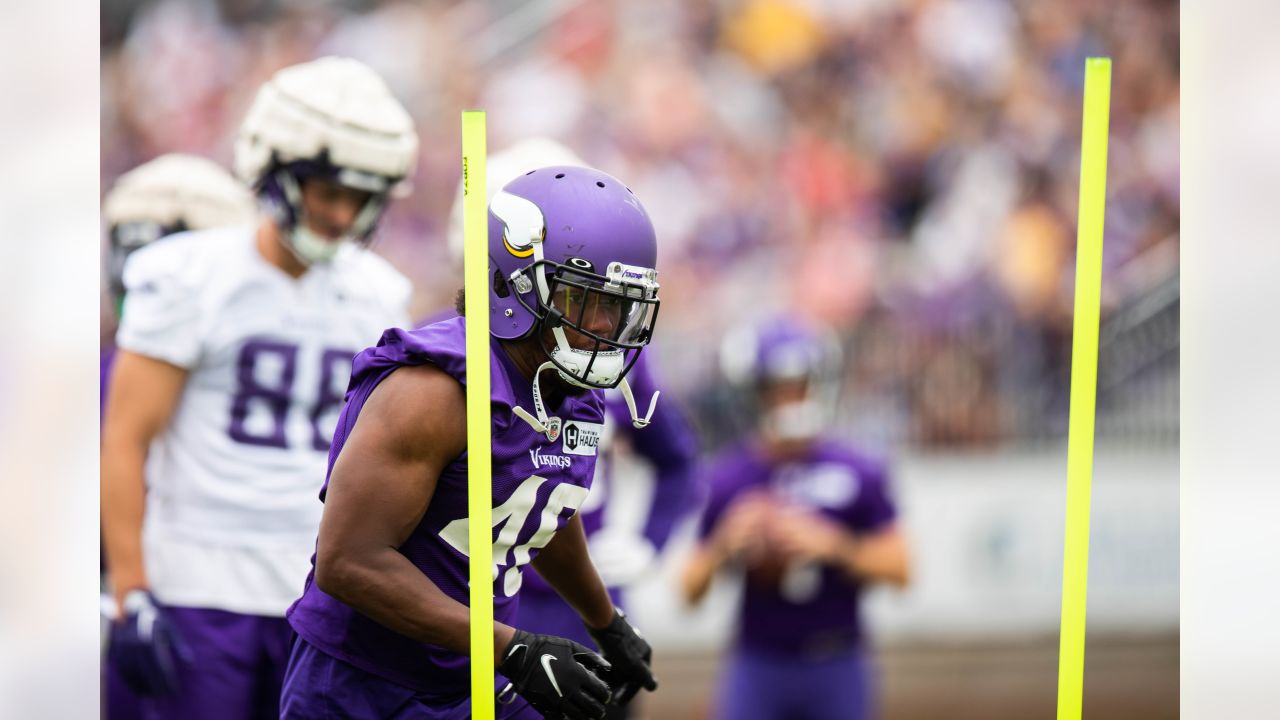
(581, 438)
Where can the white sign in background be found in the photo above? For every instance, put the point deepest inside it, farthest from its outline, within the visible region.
(986, 532)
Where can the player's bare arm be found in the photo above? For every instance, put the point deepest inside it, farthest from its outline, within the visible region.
(736, 535)
(699, 570)
(881, 555)
(565, 564)
(413, 425)
(143, 394)
(877, 556)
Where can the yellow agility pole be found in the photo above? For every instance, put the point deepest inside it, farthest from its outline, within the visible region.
(1084, 383)
(475, 228)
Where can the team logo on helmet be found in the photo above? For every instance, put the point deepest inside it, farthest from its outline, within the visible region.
(522, 223)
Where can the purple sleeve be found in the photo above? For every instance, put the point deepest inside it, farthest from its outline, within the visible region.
(719, 487)
(874, 507)
(397, 347)
(669, 444)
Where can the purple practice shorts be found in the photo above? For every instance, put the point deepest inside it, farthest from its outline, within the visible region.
(237, 665)
(758, 686)
(120, 702)
(319, 686)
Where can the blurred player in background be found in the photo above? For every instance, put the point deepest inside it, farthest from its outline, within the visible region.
(235, 346)
(624, 541)
(167, 195)
(384, 622)
(170, 194)
(810, 521)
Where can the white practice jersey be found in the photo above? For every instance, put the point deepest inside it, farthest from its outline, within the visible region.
(232, 484)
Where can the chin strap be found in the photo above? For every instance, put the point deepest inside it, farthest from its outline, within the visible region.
(636, 420)
(550, 426)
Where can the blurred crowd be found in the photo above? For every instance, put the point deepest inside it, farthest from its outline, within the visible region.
(905, 171)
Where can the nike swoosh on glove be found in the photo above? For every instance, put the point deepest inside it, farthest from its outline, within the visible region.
(629, 655)
(559, 677)
(146, 647)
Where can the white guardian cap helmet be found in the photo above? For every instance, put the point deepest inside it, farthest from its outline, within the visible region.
(331, 118)
(169, 194)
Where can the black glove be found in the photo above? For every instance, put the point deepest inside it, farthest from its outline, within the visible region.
(559, 677)
(146, 647)
(629, 654)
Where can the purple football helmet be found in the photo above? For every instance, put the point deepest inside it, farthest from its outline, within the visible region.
(571, 250)
(780, 351)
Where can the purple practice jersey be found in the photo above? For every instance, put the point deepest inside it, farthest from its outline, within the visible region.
(537, 486)
(809, 612)
(668, 444)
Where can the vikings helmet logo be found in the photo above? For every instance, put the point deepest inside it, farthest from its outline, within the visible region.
(522, 223)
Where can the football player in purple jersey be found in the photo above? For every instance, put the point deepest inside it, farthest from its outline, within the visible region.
(810, 521)
(234, 347)
(383, 624)
(624, 542)
(163, 196)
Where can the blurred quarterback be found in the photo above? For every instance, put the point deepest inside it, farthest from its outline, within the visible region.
(811, 523)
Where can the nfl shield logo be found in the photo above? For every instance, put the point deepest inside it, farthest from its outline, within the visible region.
(553, 429)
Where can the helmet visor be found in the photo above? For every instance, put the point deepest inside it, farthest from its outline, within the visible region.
(603, 315)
